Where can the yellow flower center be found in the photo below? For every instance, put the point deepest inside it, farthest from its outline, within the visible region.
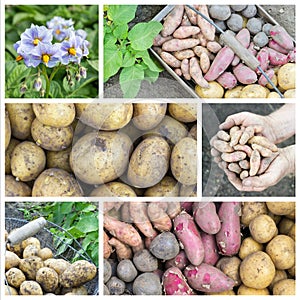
(36, 41)
(45, 58)
(57, 31)
(72, 51)
(19, 57)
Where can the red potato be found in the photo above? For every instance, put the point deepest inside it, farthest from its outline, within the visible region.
(173, 20)
(263, 57)
(272, 44)
(207, 278)
(174, 283)
(159, 40)
(207, 29)
(281, 37)
(252, 49)
(276, 58)
(213, 46)
(244, 148)
(187, 206)
(227, 80)
(292, 56)
(243, 36)
(196, 73)
(185, 69)
(178, 44)
(229, 237)
(181, 55)
(191, 15)
(204, 62)
(254, 162)
(124, 232)
(244, 74)
(183, 32)
(221, 62)
(211, 255)
(206, 217)
(180, 261)
(170, 59)
(189, 236)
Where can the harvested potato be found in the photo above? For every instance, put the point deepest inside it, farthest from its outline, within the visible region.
(248, 246)
(59, 264)
(11, 260)
(290, 93)
(15, 277)
(285, 225)
(279, 275)
(115, 286)
(10, 291)
(29, 251)
(8, 152)
(45, 253)
(14, 188)
(262, 228)
(33, 241)
(7, 130)
(50, 137)
(126, 270)
(193, 132)
(167, 187)
(59, 159)
(30, 287)
(188, 190)
(29, 266)
(100, 157)
(287, 76)
(148, 115)
(234, 93)
(254, 91)
(245, 290)
(250, 210)
(78, 273)
(149, 162)
(56, 183)
(183, 112)
(48, 279)
(257, 270)
(104, 116)
(183, 161)
(230, 267)
(285, 287)
(215, 90)
(147, 284)
(54, 114)
(111, 189)
(28, 161)
(281, 249)
(81, 290)
(281, 208)
(21, 116)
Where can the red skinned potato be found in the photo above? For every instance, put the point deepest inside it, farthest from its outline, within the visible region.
(206, 217)
(189, 236)
(211, 252)
(227, 80)
(263, 57)
(273, 45)
(281, 37)
(244, 74)
(243, 36)
(229, 237)
(180, 261)
(174, 283)
(276, 58)
(262, 79)
(173, 20)
(207, 278)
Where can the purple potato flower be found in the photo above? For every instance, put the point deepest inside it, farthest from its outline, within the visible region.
(71, 50)
(49, 55)
(60, 27)
(85, 44)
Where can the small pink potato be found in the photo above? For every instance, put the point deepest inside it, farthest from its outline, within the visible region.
(227, 80)
(178, 44)
(159, 40)
(213, 46)
(222, 146)
(170, 59)
(183, 32)
(272, 44)
(211, 252)
(185, 69)
(254, 162)
(234, 156)
(263, 57)
(276, 58)
(196, 73)
(180, 261)
(223, 135)
(244, 148)
(172, 21)
(281, 37)
(207, 29)
(204, 62)
(246, 135)
(181, 55)
(244, 74)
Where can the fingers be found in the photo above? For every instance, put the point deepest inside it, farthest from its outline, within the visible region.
(235, 119)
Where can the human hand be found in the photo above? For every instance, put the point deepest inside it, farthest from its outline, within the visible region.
(281, 166)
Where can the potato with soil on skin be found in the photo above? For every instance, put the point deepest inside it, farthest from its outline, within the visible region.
(107, 270)
(48, 279)
(149, 162)
(254, 91)
(147, 284)
(287, 76)
(279, 275)
(215, 90)
(115, 286)
(144, 261)
(14, 188)
(10, 291)
(281, 208)
(59, 159)
(100, 157)
(8, 152)
(29, 251)
(59, 265)
(56, 183)
(15, 277)
(148, 115)
(45, 253)
(50, 137)
(188, 190)
(185, 112)
(104, 116)
(78, 273)
(126, 270)
(29, 266)
(30, 287)
(263, 228)
(7, 130)
(11, 260)
(281, 249)
(21, 116)
(167, 187)
(230, 267)
(248, 246)
(257, 270)
(184, 161)
(111, 189)
(28, 161)
(245, 290)
(285, 287)
(250, 210)
(33, 241)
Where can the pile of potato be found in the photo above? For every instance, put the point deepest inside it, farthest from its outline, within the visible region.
(99, 149)
(32, 270)
(196, 51)
(199, 248)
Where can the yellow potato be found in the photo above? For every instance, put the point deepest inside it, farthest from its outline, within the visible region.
(14, 188)
(250, 210)
(234, 93)
(15, 277)
(262, 228)
(30, 287)
(29, 266)
(188, 190)
(7, 130)
(285, 287)
(59, 159)
(45, 253)
(185, 112)
(245, 290)
(291, 93)
(248, 246)
(281, 208)
(287, 76)
(193, 132)
(11, 260)
(230, 267)
(113, 189)
(273, 95)
(59, 264)
(48, 279)
(279, 275)
(254, 91)
(215, 90)
(8, 152)
(167, 187)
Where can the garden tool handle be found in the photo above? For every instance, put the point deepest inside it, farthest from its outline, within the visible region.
(26, 231)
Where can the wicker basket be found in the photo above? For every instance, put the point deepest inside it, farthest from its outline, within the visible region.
(54, 242)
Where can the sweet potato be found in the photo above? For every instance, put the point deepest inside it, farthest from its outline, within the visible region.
(234, 167)
(220, 64)
(170, 59)
(122, 250)
(244, 74)
(191, 15)
(185, 69)
(223, 135)
(222, 146)
(234, 156)
(124, 232)
(207, 29)
(211, 254)
(159, 40)
(276, 58)
(174, 283)
(183, 54)
(244, 148)
(213, 46)
(207, 278)
(205, 215)
(159, 218)
(263, 57)
(265, 163)
(196, 73)
(107, 249)
(178, 44)
(281, 37)
(173, 20)
(246, 135)
(243, 36)
(189, 236)
(227, 80)
(254, 162)
(183, 32)
(263, 141)
(265, 152)
(229, 237)
(204, 62)
(273, 45)
(180, 261)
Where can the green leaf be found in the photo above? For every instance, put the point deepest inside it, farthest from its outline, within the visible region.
(121, 14)
(151, 76)
(66, 85)
(148, 61)
(112, 62)
(77, 90)
(19, 17)
(121, 31)
(87, 224)
(55, 89)
(94, 64)
(143, 34)
(85, 207)
(128, 60)
(17, 74)
(130, 81)
(65, 207)
(76, 233)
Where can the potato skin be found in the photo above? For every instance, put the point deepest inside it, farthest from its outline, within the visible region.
(248, 246)
(7, 130)
(168, 186)
(186, 112)
(100, 157)
(285, 287)
(113, 189)
(54, 114)
(281, 208)
(48, 279)
(59, 159)
(30, 287)
(15, 188)
(8, 152)
(59, 265)
(184, 161)
(262, 228)
(149, 162)
(29, 266)
(78, 273)
(252, 209)
(11, 260)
